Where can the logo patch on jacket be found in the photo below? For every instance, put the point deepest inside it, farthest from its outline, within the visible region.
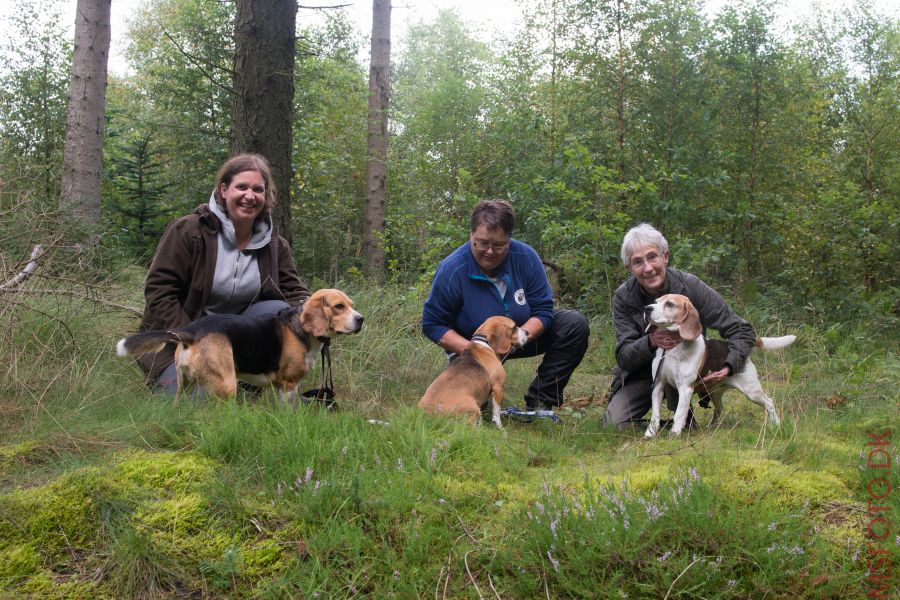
(520, 297)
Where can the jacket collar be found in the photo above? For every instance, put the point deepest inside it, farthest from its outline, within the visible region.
(208, 220)
(674, 285)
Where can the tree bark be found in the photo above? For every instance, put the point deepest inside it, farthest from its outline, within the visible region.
(376, 156)
(262, 105)
(83, 150)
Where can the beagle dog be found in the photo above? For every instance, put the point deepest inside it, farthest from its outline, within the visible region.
(216, 351)
(686, 364)
(477, 374)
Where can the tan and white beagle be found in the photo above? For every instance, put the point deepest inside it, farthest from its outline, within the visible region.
(277, 349)
(686, 364)
(477, 375)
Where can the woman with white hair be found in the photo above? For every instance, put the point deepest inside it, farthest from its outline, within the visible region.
(645, 253)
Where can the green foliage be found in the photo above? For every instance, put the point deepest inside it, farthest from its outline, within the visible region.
(136, 202)
(182, 55)
(329, 150)
(35, 59)
(436, 152)
(574, 216)
(768, 161)
(683, 535)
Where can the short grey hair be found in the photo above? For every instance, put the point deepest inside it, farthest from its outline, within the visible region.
(644, 234)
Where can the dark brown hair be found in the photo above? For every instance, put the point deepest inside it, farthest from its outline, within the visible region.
(494, 214)
(241, 163)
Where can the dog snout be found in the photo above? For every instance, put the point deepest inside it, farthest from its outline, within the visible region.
(521, 337)
(358, 321)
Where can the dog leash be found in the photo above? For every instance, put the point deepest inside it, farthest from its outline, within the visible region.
(526, 415)
(655, 369)
(325, 392)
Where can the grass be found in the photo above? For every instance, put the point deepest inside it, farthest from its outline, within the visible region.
(109, 491)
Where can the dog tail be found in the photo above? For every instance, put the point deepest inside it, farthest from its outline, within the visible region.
(150, 342)
(775, 343)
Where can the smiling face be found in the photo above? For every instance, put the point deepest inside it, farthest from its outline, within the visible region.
(244, 197)
(648, 265)
(489, 247)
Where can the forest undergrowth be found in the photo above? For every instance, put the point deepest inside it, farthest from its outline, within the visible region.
(108, 490)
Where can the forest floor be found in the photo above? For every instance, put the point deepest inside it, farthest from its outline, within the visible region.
(109, 491)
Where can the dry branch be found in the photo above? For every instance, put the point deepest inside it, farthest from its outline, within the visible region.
(25, 273)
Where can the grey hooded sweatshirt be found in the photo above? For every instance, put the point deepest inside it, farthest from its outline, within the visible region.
(236, 282)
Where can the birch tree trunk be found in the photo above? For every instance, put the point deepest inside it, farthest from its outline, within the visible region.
(376, 155)
(83, 149)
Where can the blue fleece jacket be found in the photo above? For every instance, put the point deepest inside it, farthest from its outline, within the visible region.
(462, 297)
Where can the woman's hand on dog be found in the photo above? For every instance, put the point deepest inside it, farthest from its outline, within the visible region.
(717, 376)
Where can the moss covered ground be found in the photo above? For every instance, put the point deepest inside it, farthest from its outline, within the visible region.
(109, 491)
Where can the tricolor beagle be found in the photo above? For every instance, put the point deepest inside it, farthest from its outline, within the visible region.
(279, 349)
(686, 364)
(477, 374)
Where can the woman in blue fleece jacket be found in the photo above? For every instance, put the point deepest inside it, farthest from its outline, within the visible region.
(493, 274)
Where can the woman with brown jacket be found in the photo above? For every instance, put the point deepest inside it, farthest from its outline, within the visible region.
(224, 258)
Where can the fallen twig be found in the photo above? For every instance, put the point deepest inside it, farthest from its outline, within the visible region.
(696, 560)
(25, 273)
(469, 572)
(493, 589)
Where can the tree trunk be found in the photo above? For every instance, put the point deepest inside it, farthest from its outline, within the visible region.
(376, 156)
(83, 150)
(620, 98)
(262, 105)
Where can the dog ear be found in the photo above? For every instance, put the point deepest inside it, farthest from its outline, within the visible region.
(690, 327)
(499, 339)
(313, 318)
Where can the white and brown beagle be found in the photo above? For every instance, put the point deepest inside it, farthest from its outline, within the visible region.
(477, 375)
(277, 349)
(686, 364)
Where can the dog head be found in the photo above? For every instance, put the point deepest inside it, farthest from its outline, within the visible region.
(329, 311)
(502, 334)
(675, 312)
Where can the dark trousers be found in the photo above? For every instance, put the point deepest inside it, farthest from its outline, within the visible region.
(563, 346)
(630, 402)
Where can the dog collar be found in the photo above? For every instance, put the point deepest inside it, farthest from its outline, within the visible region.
(480, 339)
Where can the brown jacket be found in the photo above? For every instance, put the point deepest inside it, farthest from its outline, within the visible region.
(181, 276)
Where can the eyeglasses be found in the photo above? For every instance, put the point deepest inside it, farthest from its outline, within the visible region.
(650, 259)
(485, 246)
